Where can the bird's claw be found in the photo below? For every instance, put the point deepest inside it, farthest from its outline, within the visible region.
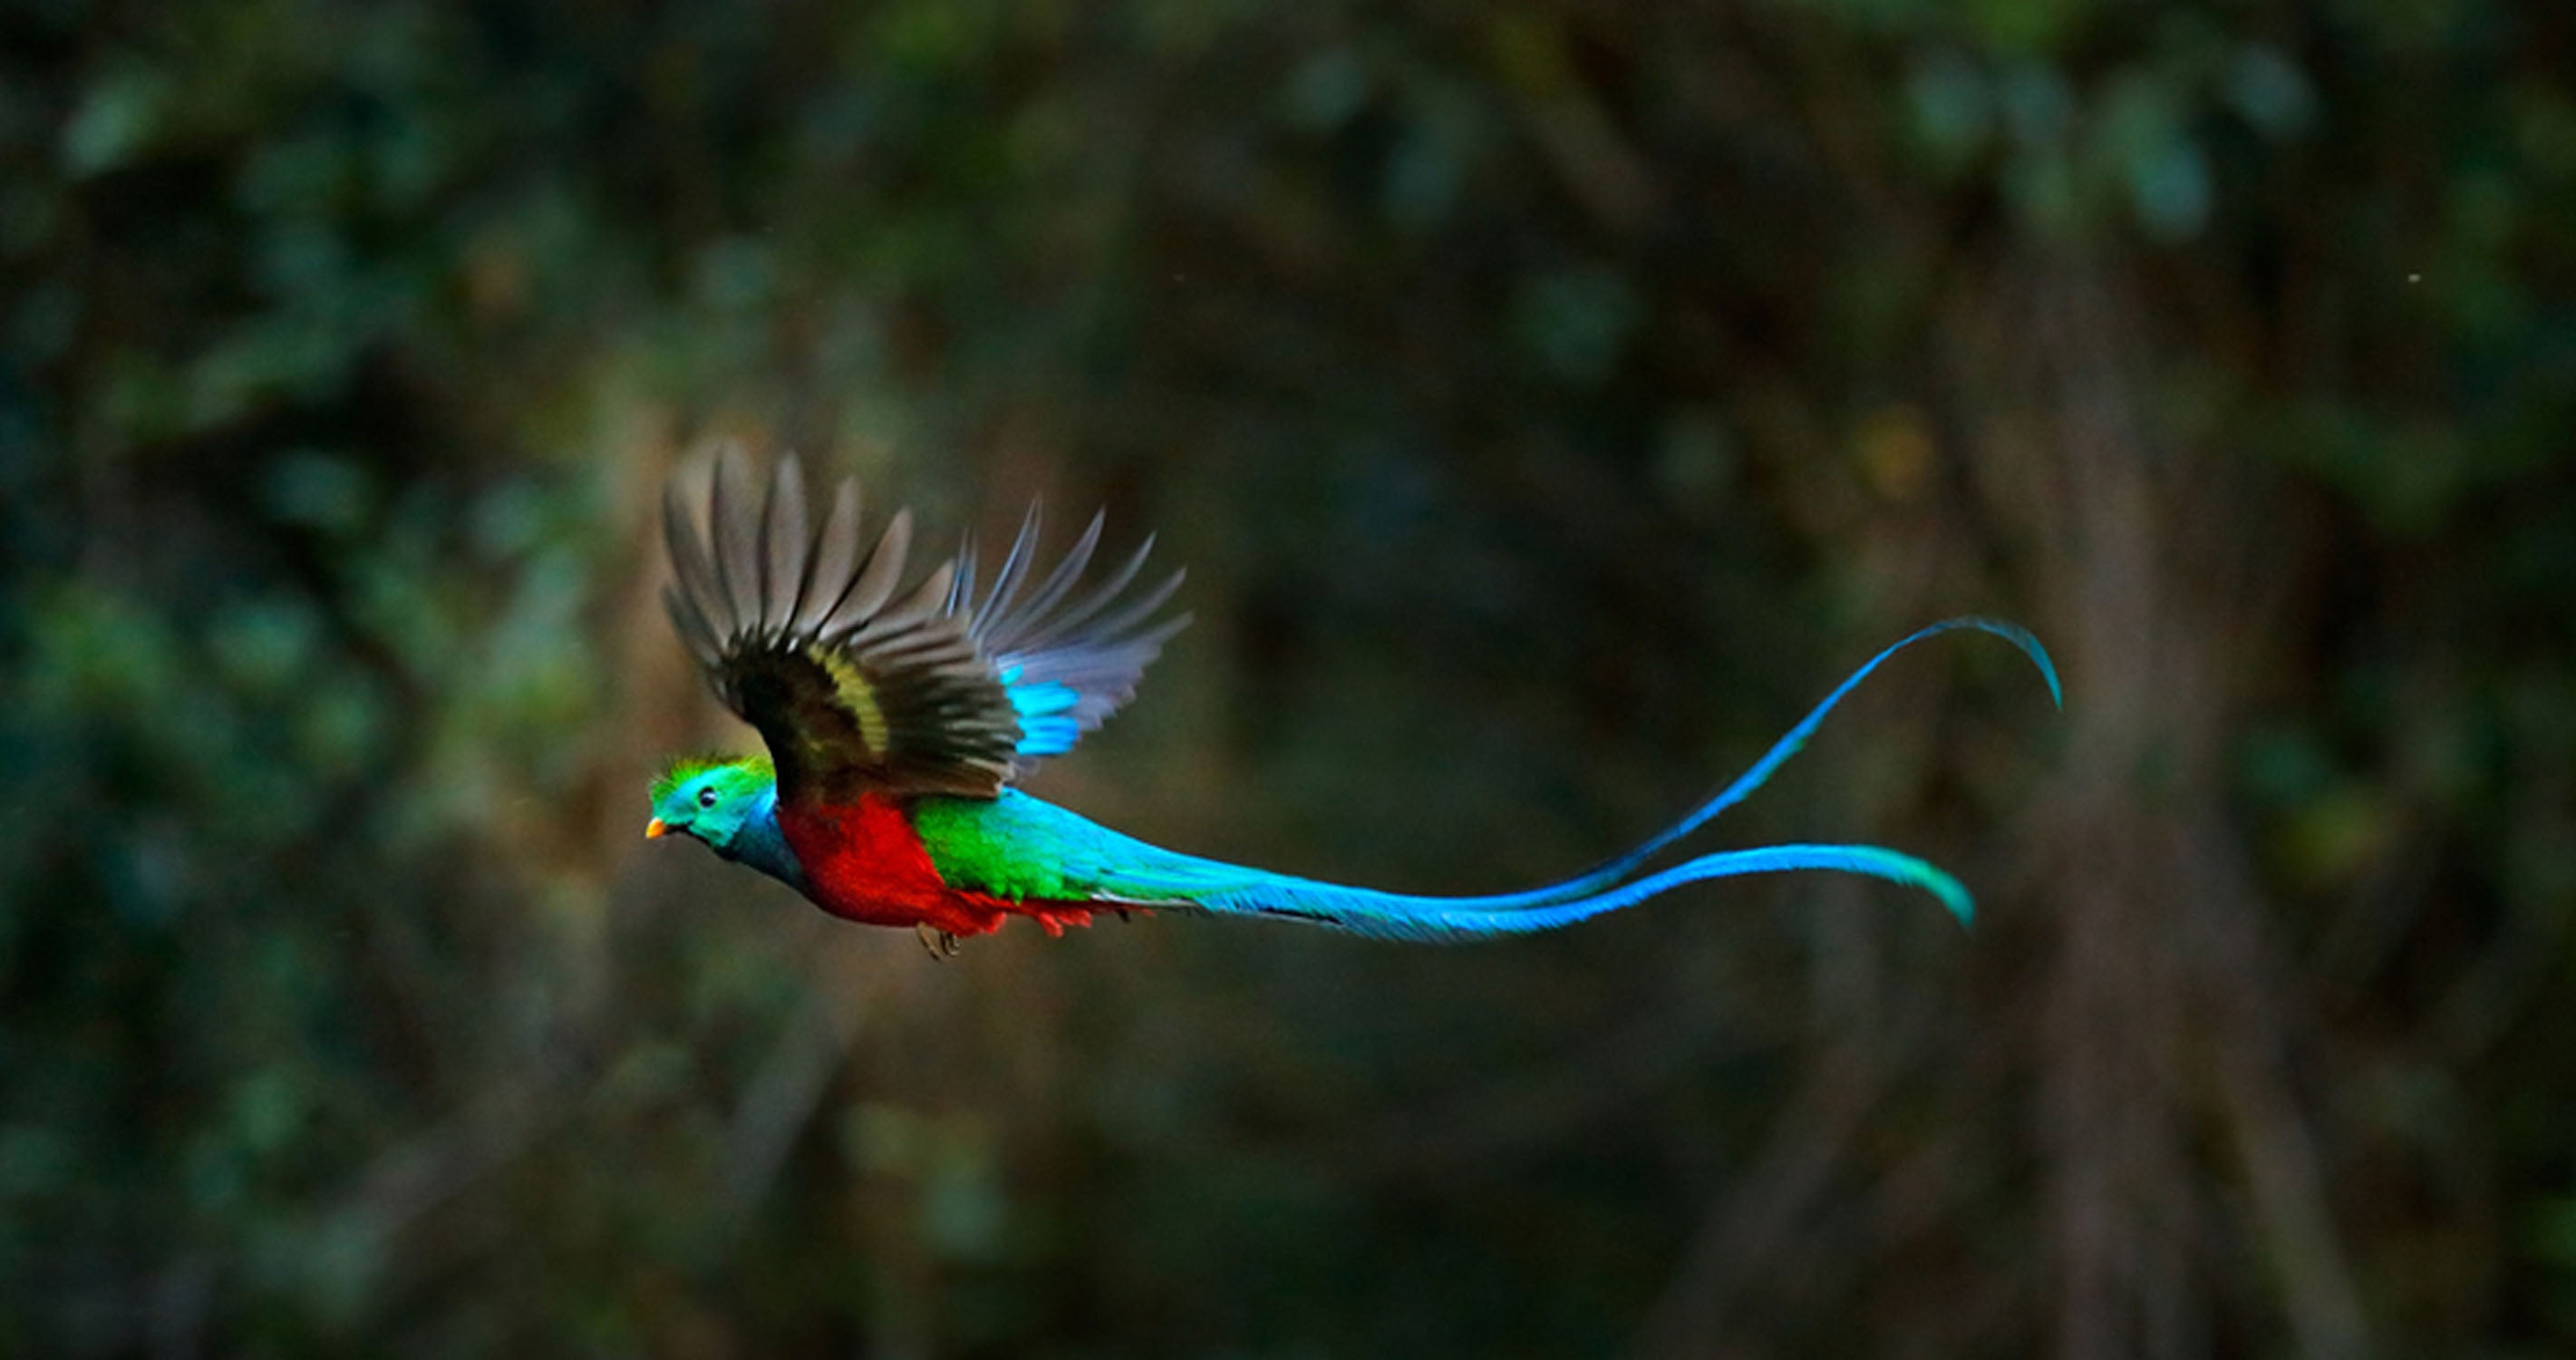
(940, 943)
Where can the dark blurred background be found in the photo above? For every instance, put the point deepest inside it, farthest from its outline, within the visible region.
(1550, 401)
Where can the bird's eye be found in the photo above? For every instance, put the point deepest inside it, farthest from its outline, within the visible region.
(706, 798)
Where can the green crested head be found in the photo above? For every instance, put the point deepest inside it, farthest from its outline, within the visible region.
(710, 798)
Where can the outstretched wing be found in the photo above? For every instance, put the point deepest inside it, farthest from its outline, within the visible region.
(1067, 658)
(855, 687)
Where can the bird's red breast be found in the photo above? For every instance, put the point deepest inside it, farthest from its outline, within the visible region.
(864, 862)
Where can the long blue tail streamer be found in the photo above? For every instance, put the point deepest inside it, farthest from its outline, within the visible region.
(1397, 916)
(1599, 889)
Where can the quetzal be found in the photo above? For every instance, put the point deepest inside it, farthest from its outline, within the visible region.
(897, 718)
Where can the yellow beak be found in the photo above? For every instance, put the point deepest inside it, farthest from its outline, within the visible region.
(656, 829)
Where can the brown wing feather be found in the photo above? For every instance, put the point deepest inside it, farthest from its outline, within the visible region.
(803, 635)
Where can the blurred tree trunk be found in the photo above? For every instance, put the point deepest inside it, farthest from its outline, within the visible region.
(2161, 570)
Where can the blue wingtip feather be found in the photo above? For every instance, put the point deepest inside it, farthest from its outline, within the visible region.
(1045, 708)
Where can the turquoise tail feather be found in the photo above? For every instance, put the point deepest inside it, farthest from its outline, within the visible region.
(1395, 916)
(1608, 872)
(1149, 875)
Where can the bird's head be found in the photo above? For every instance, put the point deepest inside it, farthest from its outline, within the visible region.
(710, 799)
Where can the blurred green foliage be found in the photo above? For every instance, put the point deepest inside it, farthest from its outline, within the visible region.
(1549, 401)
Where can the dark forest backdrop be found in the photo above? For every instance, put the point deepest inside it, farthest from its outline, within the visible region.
(1550, 401)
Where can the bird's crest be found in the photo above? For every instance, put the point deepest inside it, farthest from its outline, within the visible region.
(687, 768)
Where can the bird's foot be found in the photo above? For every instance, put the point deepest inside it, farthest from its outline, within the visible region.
(940, 943)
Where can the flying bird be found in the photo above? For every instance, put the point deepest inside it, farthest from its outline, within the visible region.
(899, 716)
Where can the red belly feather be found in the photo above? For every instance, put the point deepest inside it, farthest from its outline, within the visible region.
(864, 862)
